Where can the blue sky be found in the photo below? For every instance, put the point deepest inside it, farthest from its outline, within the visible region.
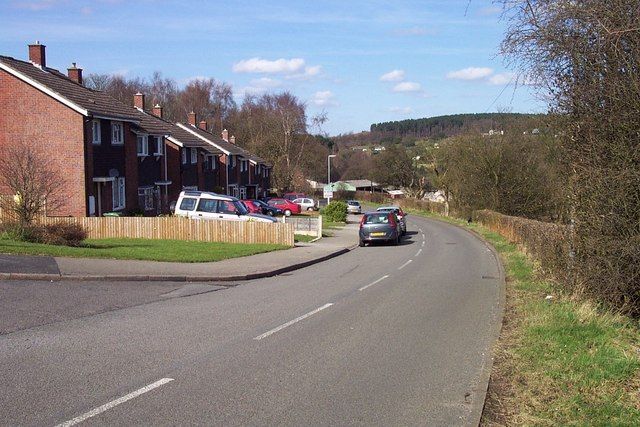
(362, 62)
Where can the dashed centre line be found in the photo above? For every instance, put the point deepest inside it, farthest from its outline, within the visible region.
(114, 403)
(291, 322)
(419, 252)
(405, 264)
(374, 282)
(423, 243)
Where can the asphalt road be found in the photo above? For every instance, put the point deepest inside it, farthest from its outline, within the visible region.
(379, 336)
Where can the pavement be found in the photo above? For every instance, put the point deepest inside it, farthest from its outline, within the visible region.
(382, 335)
(21, 267)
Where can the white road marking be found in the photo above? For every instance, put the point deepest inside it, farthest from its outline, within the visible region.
(423, 243)
(423, 238)
(405, 264)
(114, 403)
(419, 252)
(291, 322)
(420, 230)
(373, 283)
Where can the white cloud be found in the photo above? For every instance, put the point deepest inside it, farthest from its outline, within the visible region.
(401, 110)
(308, 73)
(471, 73)
(407, 87)
(501, 79)
(324, 98)
(258, 65)
(393, 76)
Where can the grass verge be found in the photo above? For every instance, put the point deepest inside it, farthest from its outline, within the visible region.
(303, 238)
(141, 249)
(560, 360)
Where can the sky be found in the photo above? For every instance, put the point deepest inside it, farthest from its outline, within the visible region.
(359, 61)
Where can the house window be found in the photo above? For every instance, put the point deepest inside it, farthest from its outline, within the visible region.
(95, 132)
(159, 146)
(184, 156)
(194, 156)
(118, 193)
(117, 133)
(146, 196)
(212, 162)
(143, 145)
(244, 165)
(232, 161)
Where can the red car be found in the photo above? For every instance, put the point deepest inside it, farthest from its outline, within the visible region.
(286, 206)
(252, 206)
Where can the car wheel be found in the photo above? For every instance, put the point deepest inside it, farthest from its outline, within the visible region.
(309, 209)
(270, 213)
(287, 212)
(361, 243)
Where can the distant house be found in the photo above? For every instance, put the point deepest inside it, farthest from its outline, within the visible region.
(363, 185)
(395, 194)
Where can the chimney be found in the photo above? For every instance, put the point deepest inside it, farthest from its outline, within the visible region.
(37, 54)
(192, 118)
(138, 101)
(232, 139)
(225, 135)
(75, 73)
(157, 110)
(203, 124)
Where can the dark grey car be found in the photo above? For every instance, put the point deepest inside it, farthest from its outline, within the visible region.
(381, 227)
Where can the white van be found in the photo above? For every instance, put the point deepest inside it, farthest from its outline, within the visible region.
(206, 205)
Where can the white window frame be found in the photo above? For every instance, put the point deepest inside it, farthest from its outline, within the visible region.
(119, 195)
(145, 145)
(243, 192)
(212, 162)
(184, 155)
(96, 134)
(117, 133)
(159, 151)
(148, 194)
(244, 165)
(194, 156)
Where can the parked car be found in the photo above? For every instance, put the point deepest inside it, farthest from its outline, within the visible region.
(306, 204)
(353, 207)
(379, 226)
(401, 215)
(286, 206)
(206, 205)
(266, 209)
(251, 206)
(292, 196)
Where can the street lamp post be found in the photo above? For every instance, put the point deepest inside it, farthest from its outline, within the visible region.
(329, 157)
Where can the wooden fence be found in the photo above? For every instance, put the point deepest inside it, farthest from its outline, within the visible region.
(180, 228)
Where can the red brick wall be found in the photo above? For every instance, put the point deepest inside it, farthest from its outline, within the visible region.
(29, 117)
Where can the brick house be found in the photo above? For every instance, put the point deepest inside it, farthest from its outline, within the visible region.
(245, 175)
(87, 134)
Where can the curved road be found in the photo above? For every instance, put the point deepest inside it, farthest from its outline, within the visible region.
(378, 336)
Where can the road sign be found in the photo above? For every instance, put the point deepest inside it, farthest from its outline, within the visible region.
(327, 193)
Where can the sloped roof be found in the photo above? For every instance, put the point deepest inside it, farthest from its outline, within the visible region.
(153, 125)
(213, 139)
(93, 102)
(225, 145)
(183, 137)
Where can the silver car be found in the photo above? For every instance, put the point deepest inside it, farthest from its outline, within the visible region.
(379, 226)
(353, 207)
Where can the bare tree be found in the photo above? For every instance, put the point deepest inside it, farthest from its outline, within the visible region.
(33, 183)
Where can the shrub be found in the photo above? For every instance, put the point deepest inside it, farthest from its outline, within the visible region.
(52, 234)
(336, 211)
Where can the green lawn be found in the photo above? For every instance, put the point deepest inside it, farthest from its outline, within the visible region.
(141, 249)
(304, 238)
(559, 361)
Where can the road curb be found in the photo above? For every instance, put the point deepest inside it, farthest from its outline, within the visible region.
(170, 278)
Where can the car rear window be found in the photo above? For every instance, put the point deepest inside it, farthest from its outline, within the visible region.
(354, 203)
(381, 218)
(187, 204)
